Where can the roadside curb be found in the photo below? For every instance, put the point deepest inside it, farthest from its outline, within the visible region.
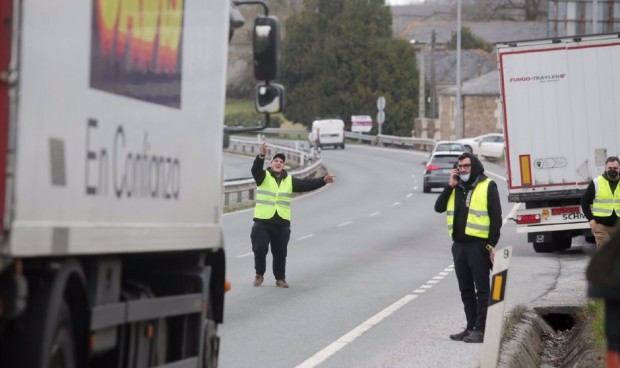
(525, 348)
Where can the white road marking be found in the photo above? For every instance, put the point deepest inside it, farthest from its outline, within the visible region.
(345, 223)
(305, 237)
(444, 273)
(409, 195)
(350, 336)
(375, 214)
(395, 204)
(346, 339)
(438, 278)
(245, 255)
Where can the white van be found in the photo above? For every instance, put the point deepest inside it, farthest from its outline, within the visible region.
(327, 132)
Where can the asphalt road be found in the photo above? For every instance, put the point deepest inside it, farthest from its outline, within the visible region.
(370, 274)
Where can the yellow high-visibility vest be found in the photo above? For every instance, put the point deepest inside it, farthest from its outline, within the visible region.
(605, 202)
(478, 219)
(271, 198)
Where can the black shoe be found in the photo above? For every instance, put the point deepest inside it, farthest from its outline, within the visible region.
(461, 335)
(476, 336)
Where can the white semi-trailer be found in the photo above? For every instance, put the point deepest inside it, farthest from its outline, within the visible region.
(561, 120)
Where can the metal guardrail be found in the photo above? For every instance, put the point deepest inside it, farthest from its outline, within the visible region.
(305, 164)
(423, 144)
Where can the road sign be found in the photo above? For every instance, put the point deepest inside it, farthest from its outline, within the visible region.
(380, 103)
(361, 123)
(380, 117)
(495, 313)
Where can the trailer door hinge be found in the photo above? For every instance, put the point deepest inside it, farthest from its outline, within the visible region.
(8, 77)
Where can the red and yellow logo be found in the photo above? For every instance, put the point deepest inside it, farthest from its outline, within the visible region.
(137, 42)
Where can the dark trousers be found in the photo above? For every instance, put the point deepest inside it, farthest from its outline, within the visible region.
(278, 235)
(472, 267)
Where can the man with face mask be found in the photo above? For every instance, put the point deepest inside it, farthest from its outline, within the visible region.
(474, 217)
(601, 201)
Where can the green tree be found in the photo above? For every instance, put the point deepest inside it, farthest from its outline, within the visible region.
(339, 56)
(469, 41)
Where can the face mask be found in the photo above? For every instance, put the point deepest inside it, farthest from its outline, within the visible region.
(464, 177)
(612, 174)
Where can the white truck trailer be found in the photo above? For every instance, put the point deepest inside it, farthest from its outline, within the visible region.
(561, 120)
(111, 127)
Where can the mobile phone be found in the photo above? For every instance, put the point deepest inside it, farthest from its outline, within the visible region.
(455, 166)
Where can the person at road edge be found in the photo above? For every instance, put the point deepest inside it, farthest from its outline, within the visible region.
(474, 216)
(601, 201)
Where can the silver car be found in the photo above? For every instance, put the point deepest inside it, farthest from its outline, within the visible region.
(438, 169)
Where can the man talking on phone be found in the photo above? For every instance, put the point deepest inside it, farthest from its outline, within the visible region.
(474, 216)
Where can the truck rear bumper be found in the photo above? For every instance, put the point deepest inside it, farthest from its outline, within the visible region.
(556, 227)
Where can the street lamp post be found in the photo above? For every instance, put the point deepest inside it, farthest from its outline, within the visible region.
(458, 123)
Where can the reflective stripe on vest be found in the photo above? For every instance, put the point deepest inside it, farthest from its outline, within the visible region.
(478, 219)
(605, 202)
(271, 198)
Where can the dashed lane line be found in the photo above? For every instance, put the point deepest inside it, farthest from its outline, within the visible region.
(358, 331)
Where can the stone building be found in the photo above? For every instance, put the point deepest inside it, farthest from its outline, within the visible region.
(481, 108)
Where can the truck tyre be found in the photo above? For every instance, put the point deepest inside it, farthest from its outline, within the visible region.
(62, 349)
(544, 247)
(212, 344)
(211, 339)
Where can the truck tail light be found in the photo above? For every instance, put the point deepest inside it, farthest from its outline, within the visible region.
(528, 219)
(565, 210)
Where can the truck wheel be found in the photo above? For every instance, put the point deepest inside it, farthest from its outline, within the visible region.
(211, 339)
(62, 349)
(212, 344)
(544, 247)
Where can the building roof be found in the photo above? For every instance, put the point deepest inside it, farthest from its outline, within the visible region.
(474, 63)
(493, 32)
(485, 85)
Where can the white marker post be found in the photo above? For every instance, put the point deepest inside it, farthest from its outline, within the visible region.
(495, 313)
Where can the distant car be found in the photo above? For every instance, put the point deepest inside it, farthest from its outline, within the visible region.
(486, 145)
(449, 146)
(438, 169)
(327, 132)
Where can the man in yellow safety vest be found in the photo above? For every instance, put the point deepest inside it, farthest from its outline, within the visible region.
(601, 201)
(272, 213)
(474, 216)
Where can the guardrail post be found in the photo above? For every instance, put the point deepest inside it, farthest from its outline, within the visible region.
(251, 195)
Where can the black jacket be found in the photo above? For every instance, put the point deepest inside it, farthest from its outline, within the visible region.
(588, 198)
(461, 210)
(299, 185)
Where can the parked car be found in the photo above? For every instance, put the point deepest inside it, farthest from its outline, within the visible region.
(486, 145)
(449, 146)
(438, 169)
